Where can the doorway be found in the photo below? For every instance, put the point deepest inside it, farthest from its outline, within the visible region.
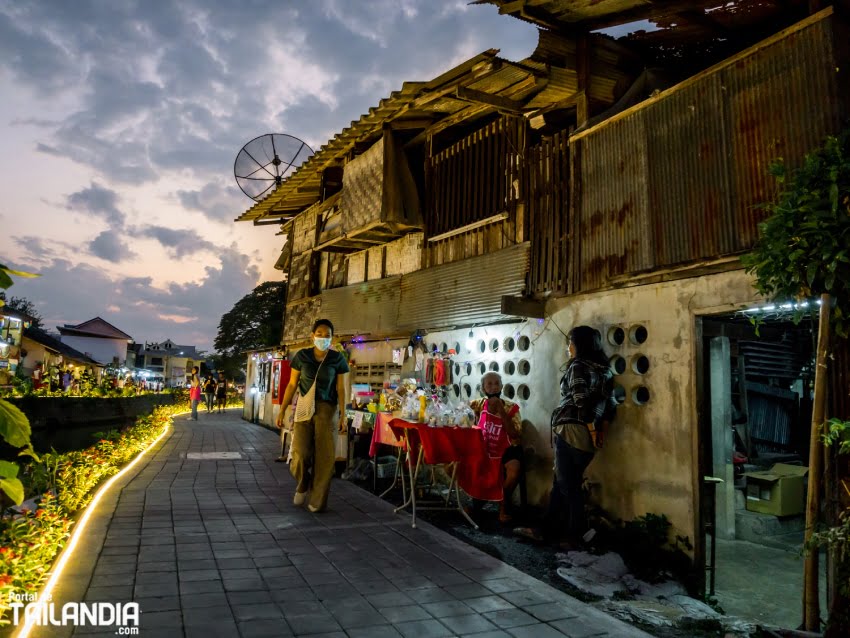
(755, 385)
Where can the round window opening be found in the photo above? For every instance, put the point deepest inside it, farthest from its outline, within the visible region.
(640, 364)
(494, 367)
(456, 389)
(638, 334)
(523, 392)
(457, 369)
(444, 348)
(509, 391)
(618, 364)
(509, 344)
(524, 367)
(467, 390)
(482, 347)
(456, 347)
(524, 343)
(616, 336)
(619, 394)
(468, 369)
(494, 345)
(510, 367)
(640, 395)
(482, 368)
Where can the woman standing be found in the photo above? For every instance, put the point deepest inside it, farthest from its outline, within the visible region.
(318, 377)
(586, 405)
(195, 392)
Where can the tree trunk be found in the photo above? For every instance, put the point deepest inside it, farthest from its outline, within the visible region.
(811, 599)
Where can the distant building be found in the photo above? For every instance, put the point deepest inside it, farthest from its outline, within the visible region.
(98, 339)
(12, 324)
(168, 360)
(44, 350)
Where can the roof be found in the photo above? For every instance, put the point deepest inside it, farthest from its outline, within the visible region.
(667, 33)
(182, 351)
(6, 311)
(52, 343)
(97, 328)
(483, 85)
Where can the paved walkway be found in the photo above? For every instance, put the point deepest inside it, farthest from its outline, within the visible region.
(215, 548)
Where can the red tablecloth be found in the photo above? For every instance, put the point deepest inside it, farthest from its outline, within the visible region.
(477, 474)
(383, 434)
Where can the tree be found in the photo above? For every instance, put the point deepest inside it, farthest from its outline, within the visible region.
(804, 251)
(255, 321)
(22, 304)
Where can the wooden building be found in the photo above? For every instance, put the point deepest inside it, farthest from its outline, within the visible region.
(610, 179)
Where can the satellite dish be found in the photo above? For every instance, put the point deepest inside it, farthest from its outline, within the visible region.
(265, 161)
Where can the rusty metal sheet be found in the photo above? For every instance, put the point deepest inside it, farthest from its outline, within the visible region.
(613, 216)
(689, 194)
(465, 292)
(679, 178)
(367, 308)
(782, 102)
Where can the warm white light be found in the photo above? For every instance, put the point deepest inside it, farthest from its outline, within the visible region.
(47, 590)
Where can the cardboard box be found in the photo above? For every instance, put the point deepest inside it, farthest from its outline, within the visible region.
(780, 491)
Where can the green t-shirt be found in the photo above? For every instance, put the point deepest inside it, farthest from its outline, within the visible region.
(305, 362)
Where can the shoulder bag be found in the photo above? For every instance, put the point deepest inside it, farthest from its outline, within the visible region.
(305, 408)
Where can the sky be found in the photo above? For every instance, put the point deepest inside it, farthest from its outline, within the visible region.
(120, 121)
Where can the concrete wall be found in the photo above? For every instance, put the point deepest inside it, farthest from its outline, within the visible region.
(649, 462)
(102, 350)
(66, 422)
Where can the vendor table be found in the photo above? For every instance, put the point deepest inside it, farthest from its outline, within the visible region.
(383, 434)
(463, 449)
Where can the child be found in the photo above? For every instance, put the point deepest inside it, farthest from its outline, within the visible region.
(500, 421)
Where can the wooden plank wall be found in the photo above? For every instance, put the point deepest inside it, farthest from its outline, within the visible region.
(547, 194)
(478, 177)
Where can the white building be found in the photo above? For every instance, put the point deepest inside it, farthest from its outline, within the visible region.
(97, 339)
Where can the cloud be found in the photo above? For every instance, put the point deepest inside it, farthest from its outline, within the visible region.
(99, 202)
(217, 202)
(69, 292)
(179, 242)
(109, 246)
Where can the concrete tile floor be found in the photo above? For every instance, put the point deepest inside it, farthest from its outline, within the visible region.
(215, 548)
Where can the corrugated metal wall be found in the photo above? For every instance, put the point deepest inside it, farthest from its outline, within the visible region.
(457, 294)
(368, 308)
(679, 180)
(465, 292)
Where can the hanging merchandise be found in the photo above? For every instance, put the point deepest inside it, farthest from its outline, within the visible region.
(398, 356)
(440, 366)
(420, 361)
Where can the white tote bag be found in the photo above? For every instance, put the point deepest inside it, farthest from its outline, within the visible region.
(305, 407)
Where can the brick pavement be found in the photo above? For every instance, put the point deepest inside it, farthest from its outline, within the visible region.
(215, 548)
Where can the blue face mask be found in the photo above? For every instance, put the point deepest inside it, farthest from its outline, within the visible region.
(322, 343)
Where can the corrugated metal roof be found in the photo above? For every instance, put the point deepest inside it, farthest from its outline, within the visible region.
(538, 78)
(465, 292)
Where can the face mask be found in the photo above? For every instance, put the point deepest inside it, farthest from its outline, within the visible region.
(494, 395)
(322, 343)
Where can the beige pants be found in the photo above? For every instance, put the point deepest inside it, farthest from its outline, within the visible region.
(313, 440)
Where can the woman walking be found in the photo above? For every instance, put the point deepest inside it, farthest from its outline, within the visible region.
(209, 392)
(318, 378)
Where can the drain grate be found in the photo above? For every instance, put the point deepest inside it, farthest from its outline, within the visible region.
(213, 456)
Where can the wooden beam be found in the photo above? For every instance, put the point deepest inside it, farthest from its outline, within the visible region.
(496, 101)
(404, 125)
(583, 71)
(463, 229)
